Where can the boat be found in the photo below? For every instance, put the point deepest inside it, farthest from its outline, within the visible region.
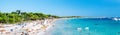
(116, 19)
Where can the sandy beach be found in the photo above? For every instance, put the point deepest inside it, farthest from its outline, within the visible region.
(37, 27)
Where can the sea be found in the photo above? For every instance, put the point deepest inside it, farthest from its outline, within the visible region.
(86, 26)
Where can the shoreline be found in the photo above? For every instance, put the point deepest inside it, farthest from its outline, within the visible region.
(37, 27)
(51, 27)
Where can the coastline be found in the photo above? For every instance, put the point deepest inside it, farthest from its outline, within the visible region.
(37, 27)
(50, 26)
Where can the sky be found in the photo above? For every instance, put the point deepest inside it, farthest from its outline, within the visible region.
(64, 7)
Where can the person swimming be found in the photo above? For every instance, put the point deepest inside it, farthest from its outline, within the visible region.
(95, 24)
(79, 29)
(86, 28)
(118, 32)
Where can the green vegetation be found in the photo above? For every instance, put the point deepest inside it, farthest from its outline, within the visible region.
(19, 16)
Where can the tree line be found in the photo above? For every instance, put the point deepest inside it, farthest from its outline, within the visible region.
(19, 16)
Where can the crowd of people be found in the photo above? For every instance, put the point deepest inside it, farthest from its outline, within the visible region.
(37, 27)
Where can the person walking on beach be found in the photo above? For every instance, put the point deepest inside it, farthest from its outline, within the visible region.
(23, 33)
(11, 30)
(26, 33)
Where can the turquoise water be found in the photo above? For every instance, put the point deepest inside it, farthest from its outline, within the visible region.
(96, 27)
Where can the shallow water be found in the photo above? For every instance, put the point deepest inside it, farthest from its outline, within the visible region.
(94, 26)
